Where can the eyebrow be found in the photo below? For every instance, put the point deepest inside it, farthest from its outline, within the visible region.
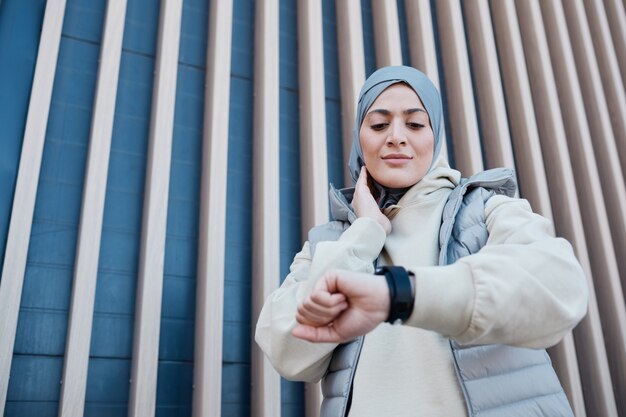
(410, 111)
(386, 112)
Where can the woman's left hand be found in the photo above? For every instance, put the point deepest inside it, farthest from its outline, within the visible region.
(364, 304)
(321, 308)
(364, 204)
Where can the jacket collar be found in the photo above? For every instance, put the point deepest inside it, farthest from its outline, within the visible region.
(340, 207)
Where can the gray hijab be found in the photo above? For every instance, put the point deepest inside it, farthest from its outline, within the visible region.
(373, 87)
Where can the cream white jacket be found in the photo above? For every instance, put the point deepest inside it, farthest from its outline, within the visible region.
(525, 288)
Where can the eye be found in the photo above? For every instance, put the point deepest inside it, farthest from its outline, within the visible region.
(379, 126)
(415, 126)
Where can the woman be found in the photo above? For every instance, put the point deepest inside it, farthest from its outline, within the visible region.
(523, 289)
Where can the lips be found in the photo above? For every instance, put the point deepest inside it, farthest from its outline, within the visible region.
(397, 156)
(396, 160)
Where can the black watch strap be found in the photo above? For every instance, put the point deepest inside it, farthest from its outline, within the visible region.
(400, 292)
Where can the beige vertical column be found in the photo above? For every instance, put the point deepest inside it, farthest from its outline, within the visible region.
(596, 225)
(207, 377)
(460, 95)
(421, 38)
(529, 163)
(386, 33)
(528, 160)
(422, 45)
(616, 16)
(266, 197)
(314, 171)
(611, 175)
(25, 194)
(593, 364)
(609, 70)
(313, 164)
(493, 121)
(73, 389)
(351, 70)
(145, 360)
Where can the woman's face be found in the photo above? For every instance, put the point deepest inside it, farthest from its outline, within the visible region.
(396, 138)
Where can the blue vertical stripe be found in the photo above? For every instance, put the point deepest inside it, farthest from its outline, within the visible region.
(238, 261)
(176, 353)
(42, 325)
(333, 95)
(20, 29)
(404, 36)
(112, 334)
(369, 45)
(292, 393)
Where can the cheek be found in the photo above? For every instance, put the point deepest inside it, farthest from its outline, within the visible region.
(424, 146)
(368, 147)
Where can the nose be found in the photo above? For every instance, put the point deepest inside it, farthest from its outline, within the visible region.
(397, 134)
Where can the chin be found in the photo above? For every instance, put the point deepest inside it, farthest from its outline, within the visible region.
(398, 183)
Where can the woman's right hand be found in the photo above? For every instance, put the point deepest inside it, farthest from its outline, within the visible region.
(364, 203)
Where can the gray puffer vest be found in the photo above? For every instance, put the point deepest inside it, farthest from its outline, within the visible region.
(496, 380)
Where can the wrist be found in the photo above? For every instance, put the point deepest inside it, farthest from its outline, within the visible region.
(401, 284)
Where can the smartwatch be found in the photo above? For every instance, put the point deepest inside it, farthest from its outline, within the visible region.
(400, 292)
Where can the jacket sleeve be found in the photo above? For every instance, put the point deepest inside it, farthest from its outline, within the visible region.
(524, 287)
(293, 358)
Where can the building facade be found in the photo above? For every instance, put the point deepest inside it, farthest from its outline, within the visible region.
(153, 157)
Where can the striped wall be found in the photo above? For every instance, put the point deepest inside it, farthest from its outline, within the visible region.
(153, 156)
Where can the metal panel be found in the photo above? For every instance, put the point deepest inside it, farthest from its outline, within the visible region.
(207, 394)
(72, 401)
(335, 140)
(266, 221)
(369, 43)
(312, 116)
(617, 22)
(23, 21)
(419, 22)
(564, 358)
(497, 148)
(151, 258)
(387, 33)
(593, 364)
(609, 70)
(460, 95)
(492, 110)
(607, 159)
(292, 393)
(529, 163)
(26, 186)
(597, 228)
(313, 165)
(352, 70)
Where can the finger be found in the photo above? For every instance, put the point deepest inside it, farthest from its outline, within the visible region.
(325, 334)
(326, 299)
(305, 316)
(318, 320)
(315, 314)
(363, 189)
(303, 319)
(363, 173)
(328, 282)
(362, 180)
